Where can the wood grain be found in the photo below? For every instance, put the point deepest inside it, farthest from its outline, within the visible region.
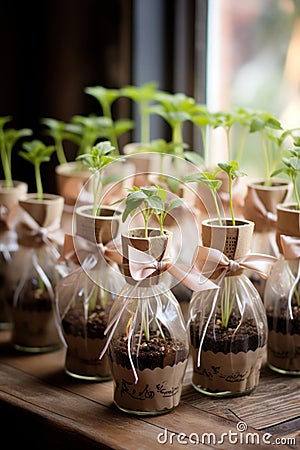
(81, 415)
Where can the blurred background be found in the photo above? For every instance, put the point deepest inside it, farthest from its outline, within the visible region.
(222, 52)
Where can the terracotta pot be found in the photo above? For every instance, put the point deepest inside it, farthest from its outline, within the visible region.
(288, 221)
(269, 197)
(103, 228)
(144, 162)
(71, 179)
(122, 175)
(10, 196)
(46, 211)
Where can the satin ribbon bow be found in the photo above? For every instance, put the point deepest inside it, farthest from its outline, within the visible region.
(142, 265)
(211, 260)
(77, 249)
(23, 223)
(290, 246)
(3, 213)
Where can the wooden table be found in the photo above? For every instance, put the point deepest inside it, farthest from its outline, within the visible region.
(44, 408)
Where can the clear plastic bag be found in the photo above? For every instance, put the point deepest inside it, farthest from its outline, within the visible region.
(84, 298)
(148, 349)
(282, 303)
(228, 334)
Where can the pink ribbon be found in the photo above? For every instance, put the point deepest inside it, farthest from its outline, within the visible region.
(3, 213)
(213, 260)
(290, 246)
(28, 229)
(142, 265)
(77, 249)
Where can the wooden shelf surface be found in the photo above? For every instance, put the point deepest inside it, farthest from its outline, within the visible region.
(43, 402)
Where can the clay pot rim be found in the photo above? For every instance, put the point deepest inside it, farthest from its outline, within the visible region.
(83, 211)
(132, 148)
(239, 222)
(47, 199)
(277, 184)
(289, 206)
(129, 233)
(73, 169)
(16, 185)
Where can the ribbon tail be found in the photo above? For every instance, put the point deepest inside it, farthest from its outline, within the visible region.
(141, 264)
(113, 254)
(260, 263)
(290, 246)
(191, 278)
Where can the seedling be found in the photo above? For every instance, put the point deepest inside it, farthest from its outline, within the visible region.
(36, 152)
(143, 96)
(175, 109)
(106, 97)
(8, 138)
(61, 131)
(150, 201)
(232, 170)
(291, 169)
(209, 180)
(268, 127)
(96, 160)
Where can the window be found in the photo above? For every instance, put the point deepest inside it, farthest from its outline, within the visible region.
(253, 62)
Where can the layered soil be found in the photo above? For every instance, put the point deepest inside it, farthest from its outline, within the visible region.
(157, 352)
(85, 340)
(34, 325)
(155, 386)
(230, 358)
(76, 324)
(284, 337)
(233, 339)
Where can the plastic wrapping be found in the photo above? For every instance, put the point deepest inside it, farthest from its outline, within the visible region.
(147, 339)
(282, 303)
(228, 327)
(228, 334)
(37, 224)
(84, 298)
(148, 350)
(34, 323)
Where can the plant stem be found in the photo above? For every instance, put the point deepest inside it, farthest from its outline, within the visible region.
(6, 163)
(177, 139)
(60, 152)
(227, 130)
(39, 186)
(227, 302)
(241, 144)
(266, 159)
(231, 202)
(145, 125)
(97, 192)
(93, 298)
(112, 133)
(217, 208)
(294, 180)
(204, 143)
(146, 218)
